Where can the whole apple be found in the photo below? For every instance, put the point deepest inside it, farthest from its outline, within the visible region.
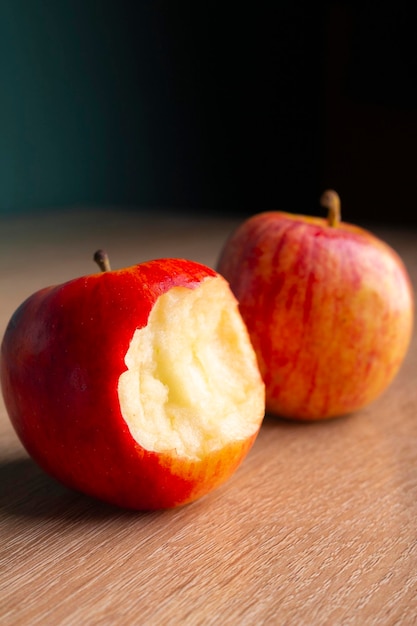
(328, 306)
(139, 386)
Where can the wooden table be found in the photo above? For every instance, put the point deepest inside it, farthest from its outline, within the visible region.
(317, 527)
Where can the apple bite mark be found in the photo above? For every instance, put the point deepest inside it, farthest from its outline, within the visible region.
(192, 382)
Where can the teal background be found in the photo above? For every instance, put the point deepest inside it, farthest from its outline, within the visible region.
(208, 106)
(153, 103)
(72, 121)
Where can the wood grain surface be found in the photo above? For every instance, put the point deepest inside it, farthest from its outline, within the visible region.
(317, 527)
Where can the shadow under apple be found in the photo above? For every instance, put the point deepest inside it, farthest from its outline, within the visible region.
(27, 491)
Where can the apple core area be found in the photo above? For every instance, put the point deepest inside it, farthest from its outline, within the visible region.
(192, 382)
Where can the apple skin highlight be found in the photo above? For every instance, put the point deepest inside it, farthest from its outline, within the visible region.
(61, 358)
(329, 309)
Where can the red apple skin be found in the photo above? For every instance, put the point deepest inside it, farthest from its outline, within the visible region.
(329, 311)
(61, 358)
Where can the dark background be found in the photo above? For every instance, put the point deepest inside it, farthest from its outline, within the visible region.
(208, 106)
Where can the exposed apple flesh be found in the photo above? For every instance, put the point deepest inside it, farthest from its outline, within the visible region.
(192, 380)
(139, 386)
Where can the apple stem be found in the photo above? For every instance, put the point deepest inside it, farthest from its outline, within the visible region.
(330, 200)
(102, 260)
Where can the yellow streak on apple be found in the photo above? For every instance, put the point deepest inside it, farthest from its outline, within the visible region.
(192, 382)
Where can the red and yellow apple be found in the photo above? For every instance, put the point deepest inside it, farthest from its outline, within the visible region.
(138, 386)
(328, 307)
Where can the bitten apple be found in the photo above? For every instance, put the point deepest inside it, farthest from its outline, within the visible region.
(138, 386)
(328, 306)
